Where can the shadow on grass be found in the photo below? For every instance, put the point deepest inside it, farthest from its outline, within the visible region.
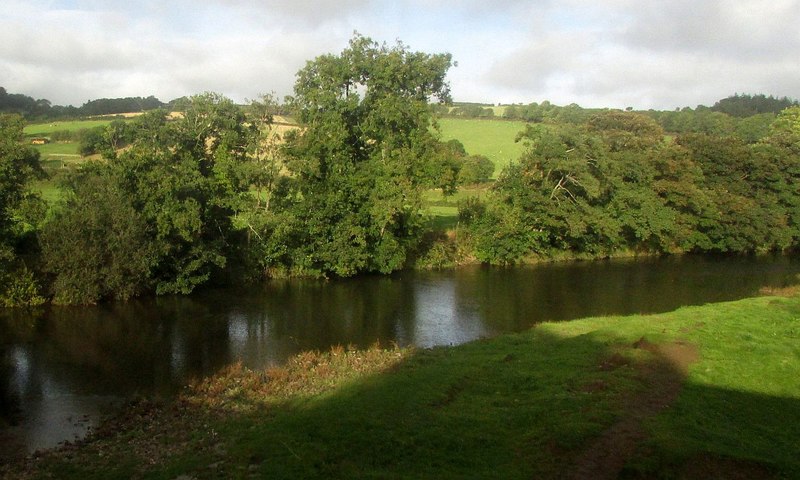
(541, 404)
(522, 406)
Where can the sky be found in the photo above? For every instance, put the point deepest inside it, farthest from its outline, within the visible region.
(600, 53)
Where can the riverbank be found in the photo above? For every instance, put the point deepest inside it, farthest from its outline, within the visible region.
(696, 393)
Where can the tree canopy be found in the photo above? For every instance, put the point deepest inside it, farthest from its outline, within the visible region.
(363, 152)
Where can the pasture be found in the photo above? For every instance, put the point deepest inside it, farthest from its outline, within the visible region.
(491, 138)
(43, 129)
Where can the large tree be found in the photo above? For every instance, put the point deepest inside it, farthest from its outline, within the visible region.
(19, 164)
(359, 160)
(166, 204)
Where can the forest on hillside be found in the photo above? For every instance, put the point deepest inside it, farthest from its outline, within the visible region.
(217, 195)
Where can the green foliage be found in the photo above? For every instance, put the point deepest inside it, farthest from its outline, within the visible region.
(749, 105)
(614, 185)
(358, 163)
(97, 244)
(475, 169)
(472, 111)
(19, 288)
(166, 204)
(19, 164)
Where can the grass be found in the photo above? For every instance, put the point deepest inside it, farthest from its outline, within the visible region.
(49, 191)
(42, 129)
(490, 137)
(443, 210)
(529, 405)
(58, 149)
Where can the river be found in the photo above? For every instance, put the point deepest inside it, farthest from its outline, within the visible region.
(63, 368)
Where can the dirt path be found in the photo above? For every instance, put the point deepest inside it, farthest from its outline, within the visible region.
(663, 380)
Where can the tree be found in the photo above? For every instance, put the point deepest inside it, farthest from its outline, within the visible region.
(359, 160)
(98, 244)
(267, 157)
(167, 203)
(475, 169)
(748, 105)
(19, 164)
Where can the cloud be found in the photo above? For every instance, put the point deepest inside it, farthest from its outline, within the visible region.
(596, 53)
(654, 54)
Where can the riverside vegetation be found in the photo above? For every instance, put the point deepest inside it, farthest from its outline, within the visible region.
(171, 204)
(217, 194)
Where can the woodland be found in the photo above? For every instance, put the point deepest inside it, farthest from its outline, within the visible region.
(169, 203)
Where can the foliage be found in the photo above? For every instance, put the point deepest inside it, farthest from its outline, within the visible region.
(109, 106)
(32, 108)
(167, 204)
(749, 105)
(475, 169)
(97, 244)
(19, 164)
(614, 184)
(358, 163)
(19, 288)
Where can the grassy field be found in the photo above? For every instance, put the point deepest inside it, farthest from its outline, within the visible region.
(443, 210)
(42, 129)
(702, 392)
(492, 138)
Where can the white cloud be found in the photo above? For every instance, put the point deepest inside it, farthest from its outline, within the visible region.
(596, 53)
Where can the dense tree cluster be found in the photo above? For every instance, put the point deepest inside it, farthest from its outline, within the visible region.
(157, 216)
(351, 201)
(42, 109)
(189, 200)
(178, 202)
(749, 105)
(110, 106)
(616, 184)
(19, 164)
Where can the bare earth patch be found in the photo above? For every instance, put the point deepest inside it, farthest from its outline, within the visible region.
(663, 379)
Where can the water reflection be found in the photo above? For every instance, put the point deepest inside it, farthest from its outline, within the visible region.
(61, 368)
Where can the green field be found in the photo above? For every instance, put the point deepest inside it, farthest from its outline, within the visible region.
(489, 137)
(62, 149)
(42, 129)
(702, 392)
(443, 210)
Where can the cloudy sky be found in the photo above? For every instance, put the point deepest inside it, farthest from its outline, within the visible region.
(598, 53)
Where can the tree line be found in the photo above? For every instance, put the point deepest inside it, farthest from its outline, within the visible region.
(43, 110)
(616, 183)
(218, 195)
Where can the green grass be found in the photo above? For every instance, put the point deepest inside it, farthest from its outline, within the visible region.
(42, 129)
(491, 137)
(55, 149)
(443, 210)
(527, 405)
(48, 190)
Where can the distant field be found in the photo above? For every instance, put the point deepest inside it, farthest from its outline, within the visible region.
(58, 149)
(443, 210)
(492, 138)
(50, 127)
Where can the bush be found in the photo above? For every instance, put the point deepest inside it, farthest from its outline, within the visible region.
(97, 246)
(475, 169)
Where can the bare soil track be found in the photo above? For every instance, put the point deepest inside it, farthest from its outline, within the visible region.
(663, 379)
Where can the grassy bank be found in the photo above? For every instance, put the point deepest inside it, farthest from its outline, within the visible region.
(702, 392)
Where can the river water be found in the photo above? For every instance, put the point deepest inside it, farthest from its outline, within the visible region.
(62, 368)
